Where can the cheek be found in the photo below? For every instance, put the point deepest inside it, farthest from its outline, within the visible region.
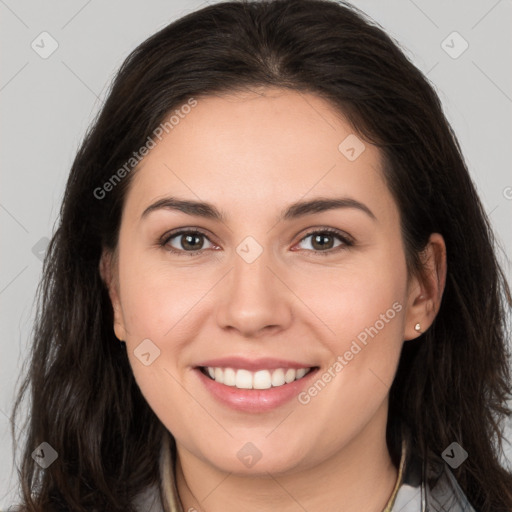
(161, 303)
(156, 298)
(360, 300)
(364, 307)
(157, 310)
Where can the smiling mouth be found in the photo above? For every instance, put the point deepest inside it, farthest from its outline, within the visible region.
(261, 379)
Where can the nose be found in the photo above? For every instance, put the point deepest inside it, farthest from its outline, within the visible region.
(254, 298)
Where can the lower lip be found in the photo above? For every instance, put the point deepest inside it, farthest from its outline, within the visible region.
(255, 400)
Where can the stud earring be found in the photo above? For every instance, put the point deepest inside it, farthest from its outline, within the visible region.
(417, 327)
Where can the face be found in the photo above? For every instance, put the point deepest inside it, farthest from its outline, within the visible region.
(298, 312)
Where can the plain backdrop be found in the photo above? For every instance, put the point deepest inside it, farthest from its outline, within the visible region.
(48, 100)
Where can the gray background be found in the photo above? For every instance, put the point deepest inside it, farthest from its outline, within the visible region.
(47, 103)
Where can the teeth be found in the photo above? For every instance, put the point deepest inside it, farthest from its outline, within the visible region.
(243, 378)
(219, 375)
(278, 377)
(301, 372)
(229, 377)
(290, 375)
(261, 379)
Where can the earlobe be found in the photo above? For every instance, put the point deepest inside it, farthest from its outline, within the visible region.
(426, 290)
(107, 269)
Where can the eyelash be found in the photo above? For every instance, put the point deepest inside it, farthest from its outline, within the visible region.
(346, 241)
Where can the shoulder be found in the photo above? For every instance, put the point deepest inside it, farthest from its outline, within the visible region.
(431, 487)
(444, 493)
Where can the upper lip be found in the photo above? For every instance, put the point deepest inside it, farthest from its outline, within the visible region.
(264, 363)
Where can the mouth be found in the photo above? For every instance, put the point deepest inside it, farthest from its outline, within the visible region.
(254, 386)
(260, 379)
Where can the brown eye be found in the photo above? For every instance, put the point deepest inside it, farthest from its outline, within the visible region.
(323, 241)
(186, 241)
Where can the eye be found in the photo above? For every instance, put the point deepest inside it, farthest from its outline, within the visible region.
(323, 240)
(185, 241)
(191, 241)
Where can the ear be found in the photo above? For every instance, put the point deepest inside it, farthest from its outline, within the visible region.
(108, 272)
(426, 290)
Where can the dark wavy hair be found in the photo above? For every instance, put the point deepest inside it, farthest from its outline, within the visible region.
(452, 383)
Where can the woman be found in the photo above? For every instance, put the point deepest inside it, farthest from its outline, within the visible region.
(335, 338)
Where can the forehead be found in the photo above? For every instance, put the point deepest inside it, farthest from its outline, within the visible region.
(255, 148)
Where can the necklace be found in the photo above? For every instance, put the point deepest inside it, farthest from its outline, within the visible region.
(391, 501)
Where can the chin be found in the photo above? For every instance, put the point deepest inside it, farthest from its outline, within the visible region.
(248, 459)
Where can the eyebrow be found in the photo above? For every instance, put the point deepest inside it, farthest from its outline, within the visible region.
(293, 211)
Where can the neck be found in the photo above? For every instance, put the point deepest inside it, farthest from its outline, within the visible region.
(358, 478)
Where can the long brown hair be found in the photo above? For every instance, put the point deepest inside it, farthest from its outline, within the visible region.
(452, 383)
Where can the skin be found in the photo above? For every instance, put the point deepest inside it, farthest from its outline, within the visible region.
(252, 154)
